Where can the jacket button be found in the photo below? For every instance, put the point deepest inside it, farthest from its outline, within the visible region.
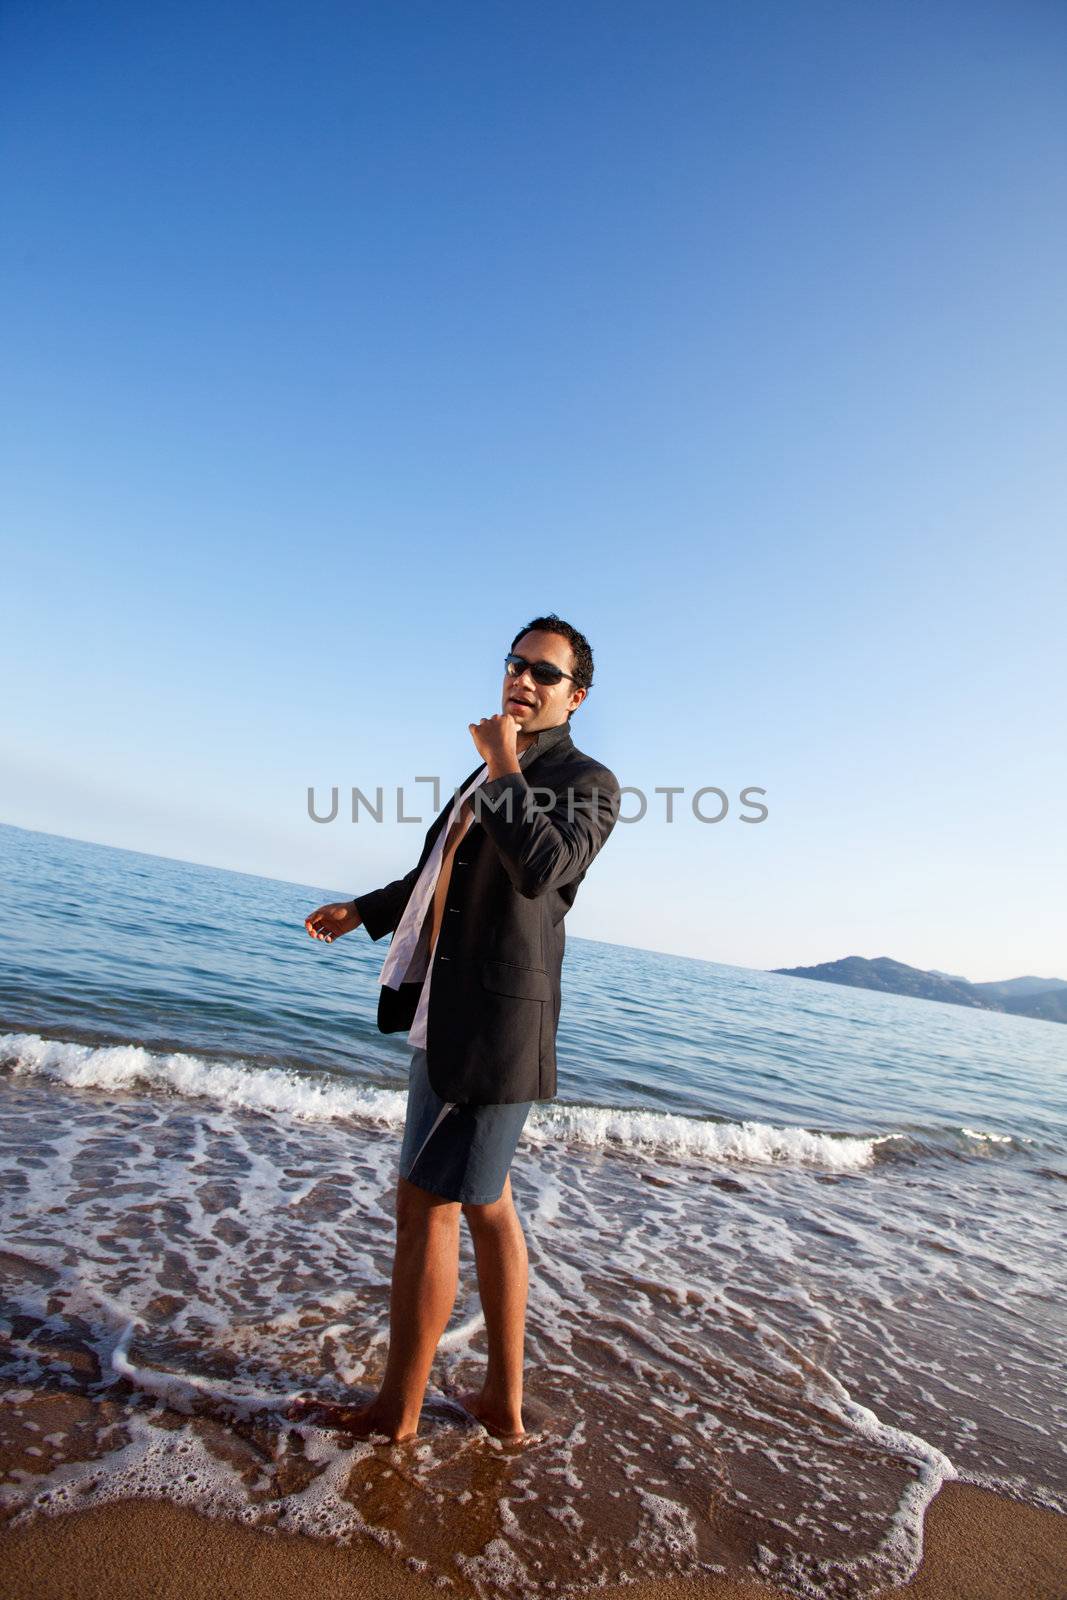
(444, 958)
(455, 909)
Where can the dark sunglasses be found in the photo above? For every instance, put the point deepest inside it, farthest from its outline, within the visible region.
(541, 671)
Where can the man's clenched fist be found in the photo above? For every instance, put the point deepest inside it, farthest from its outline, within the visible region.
(496, 740)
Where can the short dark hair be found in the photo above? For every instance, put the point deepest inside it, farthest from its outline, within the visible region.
(581, 649)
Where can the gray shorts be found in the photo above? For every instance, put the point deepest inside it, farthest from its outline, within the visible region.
(458, 1152)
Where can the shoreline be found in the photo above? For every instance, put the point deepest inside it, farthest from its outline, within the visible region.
(760, 1382)
(978, 1545)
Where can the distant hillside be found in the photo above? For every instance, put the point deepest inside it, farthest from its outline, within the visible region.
(1050, 1006)
(1013, 988)
(1045, 998)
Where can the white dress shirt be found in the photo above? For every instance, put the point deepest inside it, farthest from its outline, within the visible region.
(408, 958)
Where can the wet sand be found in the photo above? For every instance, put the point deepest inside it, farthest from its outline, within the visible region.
(979, 1546)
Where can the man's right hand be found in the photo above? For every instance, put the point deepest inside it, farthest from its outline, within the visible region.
(329, 922)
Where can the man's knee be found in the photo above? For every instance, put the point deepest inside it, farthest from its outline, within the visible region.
(417, 1207)
(492, 1213)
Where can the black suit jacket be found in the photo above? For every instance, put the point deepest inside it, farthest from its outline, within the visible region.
(495, 988)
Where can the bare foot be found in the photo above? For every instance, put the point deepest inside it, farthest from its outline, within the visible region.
(501, 1424)
(358, 1422)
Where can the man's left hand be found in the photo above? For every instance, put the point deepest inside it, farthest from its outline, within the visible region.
(496, 741)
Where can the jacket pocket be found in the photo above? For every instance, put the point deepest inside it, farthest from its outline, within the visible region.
(528, 983)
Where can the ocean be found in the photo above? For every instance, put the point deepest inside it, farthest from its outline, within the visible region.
(795, 1250)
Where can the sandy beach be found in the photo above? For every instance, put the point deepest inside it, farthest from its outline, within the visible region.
(978, 1546)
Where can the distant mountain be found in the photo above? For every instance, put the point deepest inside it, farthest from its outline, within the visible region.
(1045, 998)
(1011, 987)
(1051, 1006)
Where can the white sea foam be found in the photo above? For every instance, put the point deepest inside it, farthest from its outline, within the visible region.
(902, 1545)
(242, 1086)
(664, 1133)
(236, 1084)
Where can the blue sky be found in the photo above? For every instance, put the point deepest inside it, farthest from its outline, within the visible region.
(340, 340)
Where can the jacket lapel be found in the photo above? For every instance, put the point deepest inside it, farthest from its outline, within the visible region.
(557, 739)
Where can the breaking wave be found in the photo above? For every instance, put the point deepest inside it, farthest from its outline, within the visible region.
(316, 1096)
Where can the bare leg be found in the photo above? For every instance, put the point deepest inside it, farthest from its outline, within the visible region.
(503, 1282)
(425, 1278)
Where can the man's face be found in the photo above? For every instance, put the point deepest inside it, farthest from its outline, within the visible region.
(541, 705)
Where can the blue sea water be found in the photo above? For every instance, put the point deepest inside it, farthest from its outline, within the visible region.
(793, 1245)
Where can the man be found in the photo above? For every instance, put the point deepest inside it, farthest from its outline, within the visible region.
(473, 974)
